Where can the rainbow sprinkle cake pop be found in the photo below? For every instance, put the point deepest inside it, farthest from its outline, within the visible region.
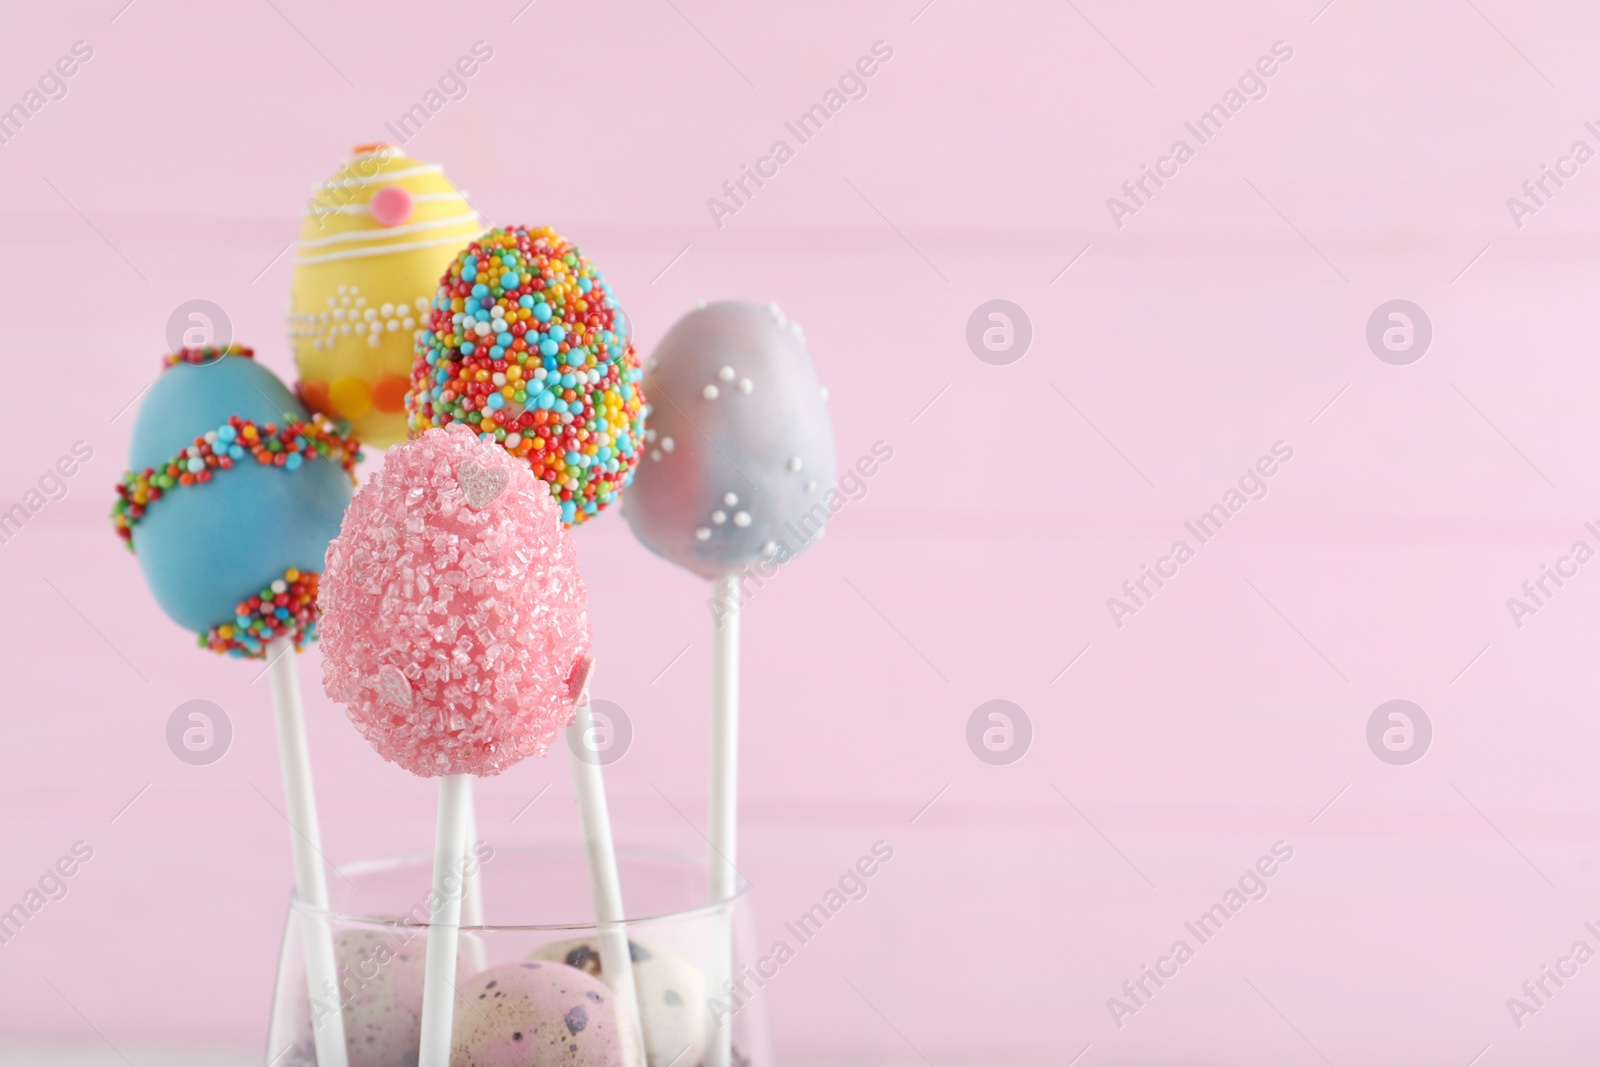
(234, 493)
(455, 620)
(376, 236)
(525, 344)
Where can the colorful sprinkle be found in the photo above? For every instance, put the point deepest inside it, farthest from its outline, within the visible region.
(525, 344)
(208, 354)
(285, 607)
(220, 449)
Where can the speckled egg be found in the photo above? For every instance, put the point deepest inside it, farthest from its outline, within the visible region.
(380, 980)
(540, 1014)
(672, 996)
(739, 456)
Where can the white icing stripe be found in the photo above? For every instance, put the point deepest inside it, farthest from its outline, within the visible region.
(375, 179)
(417, 198)
(392, 231)
(379, 250)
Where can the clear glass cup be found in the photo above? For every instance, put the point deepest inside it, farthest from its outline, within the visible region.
(536, 908)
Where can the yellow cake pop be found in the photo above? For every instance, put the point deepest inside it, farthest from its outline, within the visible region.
(376, 237)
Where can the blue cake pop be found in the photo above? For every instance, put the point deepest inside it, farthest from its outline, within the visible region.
(234, 493)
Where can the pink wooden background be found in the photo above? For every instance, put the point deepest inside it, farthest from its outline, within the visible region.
(1227, 313)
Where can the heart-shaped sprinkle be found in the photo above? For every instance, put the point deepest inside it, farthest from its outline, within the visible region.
(393, 686)
(578, 680)
(481, 484)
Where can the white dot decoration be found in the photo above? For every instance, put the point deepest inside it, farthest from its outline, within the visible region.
(730, 499)
(709, 392)
(741, 518)
(746, 386)
(702, 533)
(795, 463)
(719, 517)
(667, 444)
(726, 374)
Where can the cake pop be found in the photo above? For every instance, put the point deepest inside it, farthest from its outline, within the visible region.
(456, 632)
(376, 236)
(739, 446)
(741, 458)
(233, 496)
(672, 995)
(525, 344)
(454, 615)
(538, 1014)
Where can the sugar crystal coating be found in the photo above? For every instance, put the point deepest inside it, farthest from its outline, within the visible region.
(453, 622)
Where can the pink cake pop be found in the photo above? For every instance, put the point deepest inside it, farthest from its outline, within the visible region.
(455, 623)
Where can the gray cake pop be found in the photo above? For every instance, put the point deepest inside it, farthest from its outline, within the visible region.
(738, 444)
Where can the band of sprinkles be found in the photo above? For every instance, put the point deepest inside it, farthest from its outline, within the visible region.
(287, 607)
(207, 354)
(288, 447)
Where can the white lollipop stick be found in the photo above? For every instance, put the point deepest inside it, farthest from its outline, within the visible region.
(311, 883)
(616, 962)
(444, 923)
(721, 872)
(472, 888)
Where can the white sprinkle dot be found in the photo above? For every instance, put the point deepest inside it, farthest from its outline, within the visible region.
(709, 392)
(719, 517)
(794, 463)
(655, 454)
(730, 499)
(769, 548)
(811, 485)
(746, 386)
(726, 374)
(703, 534)
(741, 518)
(667, 444)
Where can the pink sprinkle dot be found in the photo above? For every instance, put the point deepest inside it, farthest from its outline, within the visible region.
(391, 205)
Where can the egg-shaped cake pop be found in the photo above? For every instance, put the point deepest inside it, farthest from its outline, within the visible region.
(380, 989)
(740, 451)
(455, 623)
(525, 344)
(375, 239)
(539, 1014)
(672, 996)
(233, 494)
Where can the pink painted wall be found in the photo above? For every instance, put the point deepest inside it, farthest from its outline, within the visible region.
(1227, 313)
